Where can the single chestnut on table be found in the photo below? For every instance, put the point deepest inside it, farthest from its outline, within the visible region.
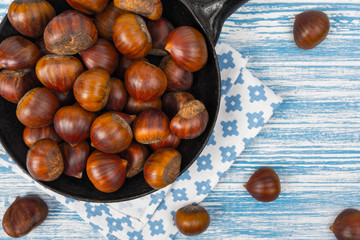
(151, 9)
(131, 36)
(187, 47)
(346, 225)
(30, 17)
(37, 108)
(162, 167)
(144, 81)
(118, 95)
(173, 101)
(23, 215)
(134, 107)
(69, 33)
(58, 72)
(32, 135)
(75, 158)
(88, 7)
(310, 28)
(159, 30)
(44, 160)
(17, 52)
(106, 171)
(110, 133)
(72, 124)
(192, 220)
(92, 89)
(264, 185)
(135, 155)
(15, 83)
(191, 120)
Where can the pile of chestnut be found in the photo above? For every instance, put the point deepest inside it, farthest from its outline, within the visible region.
(89, 98)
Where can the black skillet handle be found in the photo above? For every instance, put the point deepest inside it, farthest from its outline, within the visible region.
(213, 13)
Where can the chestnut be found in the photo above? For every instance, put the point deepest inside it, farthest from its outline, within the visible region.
(92, 89)
(346, 225)
(44, 160)
(310, 28)
(187, 47)
(173, 101)
(178, 79)
(191, 120)
(110, 133)
(32, 135)
(105, 20)
(135, 155)
(171, 141)
(264, 185)
(23, 215)
(162, 167)
(131, 36)
(151, 126)
(192, 220)
(58, 72)
(69, 33)
(72, 124)
(151, 9)
(65, 99)
(88, 7)
(74, 158)
(30, 17)
(15, 83)
(37, 108)
(102, 54)
(16, 52)
(125, 63)
(144, 81)
(118, 95)
(106, 171)
(135, 107)
(159, 31)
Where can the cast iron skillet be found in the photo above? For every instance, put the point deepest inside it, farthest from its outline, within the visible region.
(207, 16)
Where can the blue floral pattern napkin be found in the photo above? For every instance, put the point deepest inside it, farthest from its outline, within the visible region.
(246, 105)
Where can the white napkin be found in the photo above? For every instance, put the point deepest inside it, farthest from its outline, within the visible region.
(246, 105)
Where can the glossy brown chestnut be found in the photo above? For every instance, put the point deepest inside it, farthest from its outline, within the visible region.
(192, 220)
(110, 133)
(23, 215)
(72, 124)
(102, 54)
(187, 47)
(135, 107)
(264, 185)
(347, 225)
(58, 72)
(128, 118)
(44, 160)
(191, 120)
(171, 141)
(173, 101)
(310, 28)
(135, 155)
(17, 52)
(118, 96)
(131, 37)
(41, 45)
(105, 20)
(125, 63)
(69, 33)
(15, 83)
(88, 7)
(159, 30)
(30, 17)
(151, 9)
(32, 135)
(92, 89)
(151, 126)
(65, 99)
(178, 79)
(106, 171)
(145, 82)
(37, 108)
(74, 158)
(162, 167)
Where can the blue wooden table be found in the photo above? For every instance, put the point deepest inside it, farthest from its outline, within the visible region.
(312, 141)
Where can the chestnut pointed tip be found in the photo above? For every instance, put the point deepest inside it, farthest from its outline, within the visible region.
(79, 175)
(331, 228)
